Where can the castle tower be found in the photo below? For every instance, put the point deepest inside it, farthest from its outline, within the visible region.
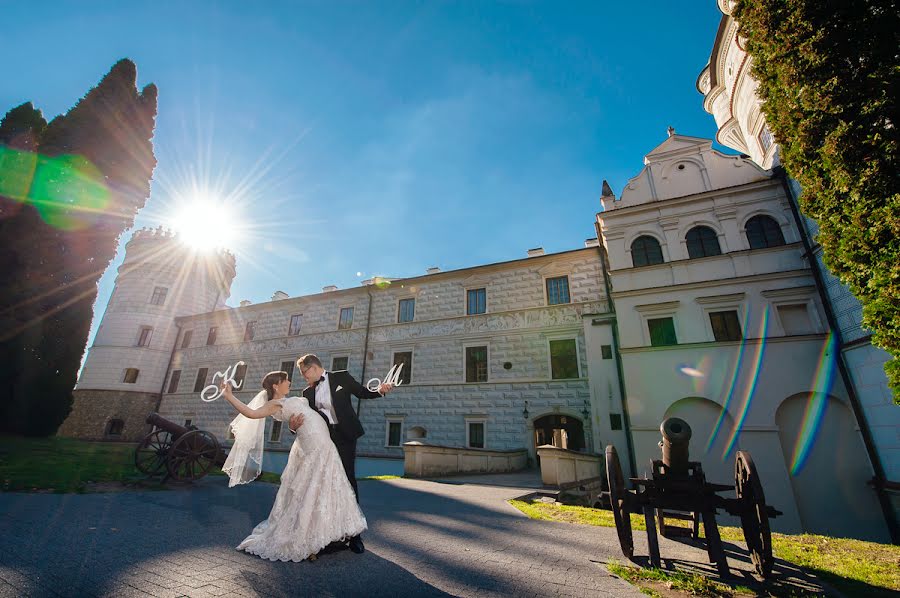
(123, 375)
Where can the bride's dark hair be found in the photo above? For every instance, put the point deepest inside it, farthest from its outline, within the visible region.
(271, 380)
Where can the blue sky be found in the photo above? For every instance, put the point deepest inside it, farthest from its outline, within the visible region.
(381, 138)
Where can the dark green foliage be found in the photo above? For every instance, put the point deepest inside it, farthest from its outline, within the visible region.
(829, 78)
(59, 228)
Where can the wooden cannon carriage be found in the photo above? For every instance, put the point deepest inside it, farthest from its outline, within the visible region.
(678, 490)
(184, 454)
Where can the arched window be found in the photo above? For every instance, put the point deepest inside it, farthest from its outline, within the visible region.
(645, 251)
(702, 242)
(763, 231)
(114, 428)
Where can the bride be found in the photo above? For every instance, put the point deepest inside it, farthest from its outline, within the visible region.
(315, 504)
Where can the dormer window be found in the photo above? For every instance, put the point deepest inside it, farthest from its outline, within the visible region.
(702, 241)
(763, 231)
(645, 251)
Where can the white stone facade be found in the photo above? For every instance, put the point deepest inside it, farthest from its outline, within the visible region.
(744, 392)
(729, 91)
(438, 403)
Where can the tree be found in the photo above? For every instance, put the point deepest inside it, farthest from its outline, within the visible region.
(68, 189)
(829, 79)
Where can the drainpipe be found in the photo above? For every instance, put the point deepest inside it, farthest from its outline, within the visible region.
(879, 478)
(626, 419)
(169, 366)
(365, 347)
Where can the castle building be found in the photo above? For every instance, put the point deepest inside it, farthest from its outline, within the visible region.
(721, 325)
(729, 94)
(495, 356)
(121, 380)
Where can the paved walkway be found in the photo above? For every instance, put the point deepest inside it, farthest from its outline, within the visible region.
(425, 539)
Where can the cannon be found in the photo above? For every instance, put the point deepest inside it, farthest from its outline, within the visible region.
(678, 490)
(184, 454)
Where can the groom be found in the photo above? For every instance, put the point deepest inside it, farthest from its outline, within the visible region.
(329, 394)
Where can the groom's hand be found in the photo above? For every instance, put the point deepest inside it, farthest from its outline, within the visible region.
(385, 388)
(295, 422)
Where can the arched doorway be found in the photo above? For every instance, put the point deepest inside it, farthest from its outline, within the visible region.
(562, 431)
(828, 468)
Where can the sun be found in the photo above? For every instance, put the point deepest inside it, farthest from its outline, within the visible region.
(205, 223)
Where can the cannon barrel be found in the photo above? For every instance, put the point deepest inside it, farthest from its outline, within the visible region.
(162, 423)
(676, 434)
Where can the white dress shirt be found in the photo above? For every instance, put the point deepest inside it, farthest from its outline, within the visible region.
(323, 399)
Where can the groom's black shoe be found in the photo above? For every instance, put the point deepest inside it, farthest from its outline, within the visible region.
(356, 545)
(333, 547)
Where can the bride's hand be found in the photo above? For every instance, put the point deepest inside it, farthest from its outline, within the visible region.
(226, 389)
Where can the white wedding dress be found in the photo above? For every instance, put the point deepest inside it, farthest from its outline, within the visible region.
(315, 504)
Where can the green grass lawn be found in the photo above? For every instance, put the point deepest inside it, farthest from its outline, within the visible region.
(62, 464)
(853, 567)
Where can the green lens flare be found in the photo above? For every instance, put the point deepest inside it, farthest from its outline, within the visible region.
(68, 191)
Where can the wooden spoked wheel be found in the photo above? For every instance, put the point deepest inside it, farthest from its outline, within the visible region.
(192, 456)
(754, 514)
(150, 455)
(618, 496)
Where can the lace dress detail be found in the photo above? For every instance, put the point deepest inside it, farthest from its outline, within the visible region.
(315, 504)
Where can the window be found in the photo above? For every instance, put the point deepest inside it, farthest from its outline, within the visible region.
(725, 325)
(211, 337)
(144, 336)
(763, 231)
(187, 423)
(557, 290)
(239, 374)
(340, 363)
(275, 435)
(476, 364)
(563, 359)
(662, 332)
(702, 241)
(606, 351)
(477, 301)
(615, 421)
(404, 357)
(159, 296)
(131, 375)
(645, 251)
(288, 368)
(765, 138)
(346, 319)
(174, 380)
(115, 427)
(250, 330)
(294, 328)
(475, 433)
(200, 381)
(186, 339)
(406, 310)
(394, 429)
(795, 319)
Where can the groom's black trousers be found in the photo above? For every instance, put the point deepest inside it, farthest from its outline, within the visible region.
(347, 452)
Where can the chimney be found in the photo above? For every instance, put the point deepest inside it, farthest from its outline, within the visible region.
(536, 252)
(329, 289)
(246, 302)
(592, 242)
(432, 270)
(279, 295)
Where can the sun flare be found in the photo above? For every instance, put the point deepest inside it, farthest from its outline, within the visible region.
(204, 224)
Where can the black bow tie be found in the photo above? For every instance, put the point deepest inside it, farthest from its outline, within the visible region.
(316, 383)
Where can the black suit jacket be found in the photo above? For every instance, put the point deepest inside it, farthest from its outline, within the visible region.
(342, 385)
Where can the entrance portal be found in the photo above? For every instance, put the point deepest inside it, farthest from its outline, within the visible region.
(562, 431)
